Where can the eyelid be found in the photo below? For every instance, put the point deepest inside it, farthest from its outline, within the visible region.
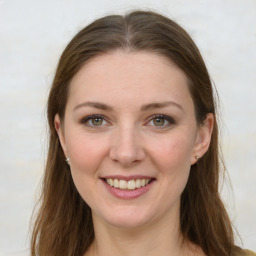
(94, 116)
(169, 119)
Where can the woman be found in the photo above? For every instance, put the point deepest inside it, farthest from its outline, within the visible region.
(133, 164)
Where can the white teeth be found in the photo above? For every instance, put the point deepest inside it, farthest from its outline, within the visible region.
(111, 182)
(131, 184)
(116, 183)
(123, 184)
(138, 183)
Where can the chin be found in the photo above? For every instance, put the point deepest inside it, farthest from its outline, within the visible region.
(128, 219)
(125, 223)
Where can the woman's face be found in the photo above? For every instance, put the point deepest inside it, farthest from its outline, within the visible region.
(131, 135)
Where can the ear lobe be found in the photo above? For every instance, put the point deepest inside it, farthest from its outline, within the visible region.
(203, 138)
(60, 131)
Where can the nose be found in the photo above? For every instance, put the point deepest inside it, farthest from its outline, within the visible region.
(126, 147)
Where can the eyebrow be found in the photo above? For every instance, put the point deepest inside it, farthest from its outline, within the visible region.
(154, 105)
(97, 105)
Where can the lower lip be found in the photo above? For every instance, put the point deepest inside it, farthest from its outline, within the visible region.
(126, 193)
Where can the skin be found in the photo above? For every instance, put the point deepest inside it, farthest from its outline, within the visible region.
(130, 140)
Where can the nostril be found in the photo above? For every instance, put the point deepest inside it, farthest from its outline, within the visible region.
(127, 154)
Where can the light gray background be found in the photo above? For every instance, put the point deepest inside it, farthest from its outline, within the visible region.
(32, 37)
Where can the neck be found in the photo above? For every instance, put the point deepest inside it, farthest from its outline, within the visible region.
(151, 240)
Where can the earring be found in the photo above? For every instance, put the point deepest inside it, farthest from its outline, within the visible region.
(67, 160)
(197, 157)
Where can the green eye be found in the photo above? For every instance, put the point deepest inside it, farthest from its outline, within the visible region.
(97, 121)
(94, 121)
(159, 121)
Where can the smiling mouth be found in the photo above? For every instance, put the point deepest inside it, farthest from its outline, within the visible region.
(132, 184)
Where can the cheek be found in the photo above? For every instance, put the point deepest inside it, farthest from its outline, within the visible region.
(86, 156)
(174, 151)
(172, 159)
(86, 152)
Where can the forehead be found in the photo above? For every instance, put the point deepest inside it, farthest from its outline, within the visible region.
(130, 77)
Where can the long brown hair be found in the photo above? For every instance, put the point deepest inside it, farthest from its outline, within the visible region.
(64, 224)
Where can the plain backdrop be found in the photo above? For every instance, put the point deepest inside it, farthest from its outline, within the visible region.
(32, 37)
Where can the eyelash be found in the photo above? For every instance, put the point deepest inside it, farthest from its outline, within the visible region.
(90, 118)
(170, 121)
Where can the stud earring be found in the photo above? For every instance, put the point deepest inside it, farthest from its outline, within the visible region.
(67, 160)
(197, 157)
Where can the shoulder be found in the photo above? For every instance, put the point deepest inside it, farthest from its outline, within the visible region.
(246, 253)
(249, 253)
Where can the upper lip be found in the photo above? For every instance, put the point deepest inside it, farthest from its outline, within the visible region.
(132, 177)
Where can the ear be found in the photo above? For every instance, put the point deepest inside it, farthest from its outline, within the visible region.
(60, 131)
(203, 138)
